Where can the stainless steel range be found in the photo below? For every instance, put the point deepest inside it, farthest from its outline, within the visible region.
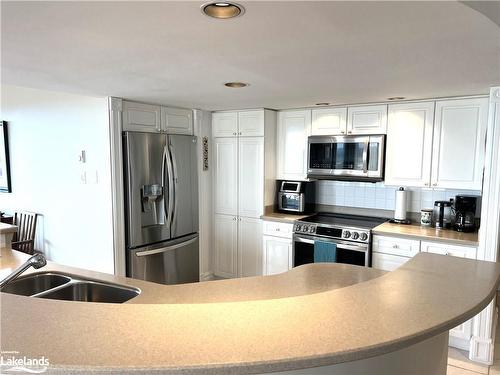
(350, 233)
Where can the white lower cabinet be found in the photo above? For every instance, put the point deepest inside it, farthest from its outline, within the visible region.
(390, 253)
(237, 246)
(277, 247)
(277, 255)
(460, 335)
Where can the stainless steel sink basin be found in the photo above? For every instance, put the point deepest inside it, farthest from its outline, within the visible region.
(33, 284)
(92, 292)
(69, 287)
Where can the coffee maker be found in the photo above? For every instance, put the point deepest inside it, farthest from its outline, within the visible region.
(465, 213)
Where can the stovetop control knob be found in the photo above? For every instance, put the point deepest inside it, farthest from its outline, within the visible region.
(347, 234)
(363, 236)
(355, 235)
(297, 227)
(305, 228)
(312, 229)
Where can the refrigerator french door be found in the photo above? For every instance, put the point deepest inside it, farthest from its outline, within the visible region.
(161, 207)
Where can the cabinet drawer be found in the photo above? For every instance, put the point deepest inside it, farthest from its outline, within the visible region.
(452, 250)
(386, 262)
(395, 246)
(274, 228)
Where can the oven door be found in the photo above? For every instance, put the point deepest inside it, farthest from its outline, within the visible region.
(347, 252)
(346, 157)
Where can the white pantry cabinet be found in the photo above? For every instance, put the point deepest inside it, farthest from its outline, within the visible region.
(225, 162)
(248, 123)
(225, 245)
(329, 121)
(249, 247)
(238, 186)
(177, 120)
(409, 144)
(370, 119)
(459, 143)
(293, 129)
(141, 117)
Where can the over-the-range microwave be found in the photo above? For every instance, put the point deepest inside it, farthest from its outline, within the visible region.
(352, 157)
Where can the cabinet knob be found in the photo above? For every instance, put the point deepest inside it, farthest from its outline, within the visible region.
(349, 132)
(426, 184)
(435, 184)
(234, 133)
(395, 246)
(342, 132)
(239, 133)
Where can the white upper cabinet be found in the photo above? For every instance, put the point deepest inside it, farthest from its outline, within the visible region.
(329, 121)
(459, 143)
(371, 119)
(409, 144)
(249, 247)
(226, 175)
(141, 117)
(293, 129)
(224, 124)
(226, 245)
(251, 123)
(251, 177)
(177, 120)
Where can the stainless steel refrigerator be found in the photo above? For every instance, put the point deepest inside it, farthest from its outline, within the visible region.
(161, 207)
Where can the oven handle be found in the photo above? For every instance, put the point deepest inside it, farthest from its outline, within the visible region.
(343, 245)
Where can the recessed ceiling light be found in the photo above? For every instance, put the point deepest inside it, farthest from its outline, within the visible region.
(236, 85)
(222, 9)
(396, 98)
(323, 103)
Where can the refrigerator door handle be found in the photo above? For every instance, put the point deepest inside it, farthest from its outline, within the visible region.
(167, 248)
(169, 178)
(174, 180)
(163, 161)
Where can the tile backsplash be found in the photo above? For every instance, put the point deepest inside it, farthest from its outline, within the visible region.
(379, 196)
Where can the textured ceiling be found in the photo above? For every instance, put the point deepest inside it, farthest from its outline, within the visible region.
(293, 54)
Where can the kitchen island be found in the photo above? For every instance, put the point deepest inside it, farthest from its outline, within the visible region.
(314, 319)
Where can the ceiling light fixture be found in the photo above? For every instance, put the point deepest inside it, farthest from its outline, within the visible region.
(222, 9)
(396, 98)
(323, 103)
(236, 85)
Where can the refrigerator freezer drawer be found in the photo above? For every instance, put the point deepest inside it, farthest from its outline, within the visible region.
(175, 262)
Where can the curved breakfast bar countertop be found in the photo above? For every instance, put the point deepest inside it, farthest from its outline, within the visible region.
(313, 315)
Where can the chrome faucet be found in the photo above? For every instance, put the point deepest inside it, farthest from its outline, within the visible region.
(36, 261)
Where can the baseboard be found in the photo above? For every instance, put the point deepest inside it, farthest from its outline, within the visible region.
(459, 343)
(206, 276)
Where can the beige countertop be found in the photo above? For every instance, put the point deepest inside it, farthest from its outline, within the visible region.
(427, 233)
(282, 217)
(7, 228)
(314, 315)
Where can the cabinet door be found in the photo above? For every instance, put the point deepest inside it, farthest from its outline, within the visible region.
(224, 124)
(459, 143)
(251, 123)
(249, 247)
(409, 144)
(395, 246)
(225, 246)
(329, 121)
(141, 117)
(177, 120)
(277, 255)
(251, 177)
(225, 175)
(460, 335)
(370, 119)
(293, 129)
(386, 262)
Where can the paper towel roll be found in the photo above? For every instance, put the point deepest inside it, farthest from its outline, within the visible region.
(401, 202)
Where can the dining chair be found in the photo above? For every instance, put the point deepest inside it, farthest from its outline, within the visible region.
(24, 239)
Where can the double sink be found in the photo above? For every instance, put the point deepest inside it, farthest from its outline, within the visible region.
(67, 287)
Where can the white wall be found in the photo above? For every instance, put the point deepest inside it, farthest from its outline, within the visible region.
(47, 131)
